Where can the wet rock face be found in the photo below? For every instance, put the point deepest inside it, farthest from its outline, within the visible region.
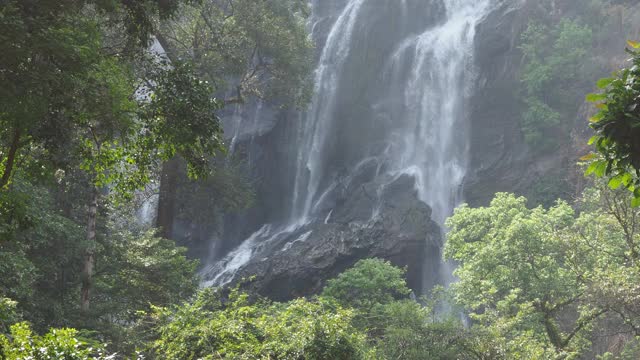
(499, 156)
(400, 231)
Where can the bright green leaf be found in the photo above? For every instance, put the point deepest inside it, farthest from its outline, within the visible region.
(604, 82)
(588, 157)
(615, 182)
(593, 97)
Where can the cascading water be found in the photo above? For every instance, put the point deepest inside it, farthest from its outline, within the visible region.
(320, 117)
(427, 75)
(435, 145)
(434, 135)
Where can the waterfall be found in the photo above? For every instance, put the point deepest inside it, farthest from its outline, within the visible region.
(433, 145)
(428, 76)
(319, 118)
(435, 139)
(435, 135)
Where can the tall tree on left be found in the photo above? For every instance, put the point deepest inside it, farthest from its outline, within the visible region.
(80, 91)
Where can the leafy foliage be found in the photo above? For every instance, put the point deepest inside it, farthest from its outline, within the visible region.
(552, 77)
(616, 126)
(370, 282)
(548, 282)
(41, 253)
(72, 96)
(209, 329)
(73, 105)
(22, 343)
(38, 244)
(260, 49)
(142, 270)
(408, 330)
(86, 111)
(232, 326)
(8, 314)
(83, 110)
(515, 274)
(180, 119)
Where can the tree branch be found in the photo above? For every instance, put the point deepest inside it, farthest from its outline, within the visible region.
(581, 325)
(11, 157)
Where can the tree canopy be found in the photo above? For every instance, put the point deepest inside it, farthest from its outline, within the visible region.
(546, 283)
(88, 113)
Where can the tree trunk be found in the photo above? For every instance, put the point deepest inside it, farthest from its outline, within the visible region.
(89, 255)
(11, 158)
(553, 332)
(167, 197)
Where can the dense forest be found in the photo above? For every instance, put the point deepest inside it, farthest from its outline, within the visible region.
(111, 107)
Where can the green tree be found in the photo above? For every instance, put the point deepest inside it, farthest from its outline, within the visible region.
(87, 116)
(121, 149)
(71, 102)
(139, 271)
(239, 329)
(246, 48)
(8, 314)
(56, 344)
(406, 329)
(42, 249)
(368, 283)
(550, 281)
(398, 327)
(142, 270)
(609, 228)
(51, 50)
(523, 273)
(39, 248)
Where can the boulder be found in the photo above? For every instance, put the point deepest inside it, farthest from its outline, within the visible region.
(381, 219)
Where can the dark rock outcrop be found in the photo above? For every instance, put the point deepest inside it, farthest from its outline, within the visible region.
(499, 156)
(391, 224)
